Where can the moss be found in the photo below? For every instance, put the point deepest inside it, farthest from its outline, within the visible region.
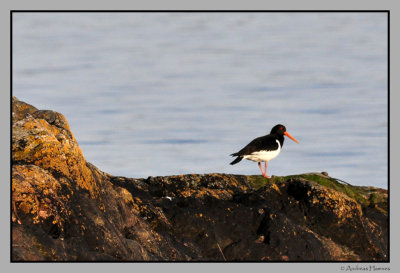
(360, 194)
(372, 200)
(379, 201)
(354, 192)
(257, 181)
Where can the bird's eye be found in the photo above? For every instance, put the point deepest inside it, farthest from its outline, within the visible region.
(281, 128)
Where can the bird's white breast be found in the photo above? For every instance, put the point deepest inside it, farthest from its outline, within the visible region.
(262, 156)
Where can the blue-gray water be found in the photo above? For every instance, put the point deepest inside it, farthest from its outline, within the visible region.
(172, 93)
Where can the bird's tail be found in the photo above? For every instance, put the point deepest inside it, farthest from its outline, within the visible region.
(237, 159)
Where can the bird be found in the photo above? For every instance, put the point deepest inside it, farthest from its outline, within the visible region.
(264, 148)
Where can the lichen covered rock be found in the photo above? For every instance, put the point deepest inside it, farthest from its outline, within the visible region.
(65, 209)
(44, 139)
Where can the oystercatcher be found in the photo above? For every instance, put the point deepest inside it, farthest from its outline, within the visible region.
(265, 148)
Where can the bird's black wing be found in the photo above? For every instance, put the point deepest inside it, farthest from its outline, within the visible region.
(263, 143)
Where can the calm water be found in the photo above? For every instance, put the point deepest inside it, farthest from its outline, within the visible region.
(150, 94)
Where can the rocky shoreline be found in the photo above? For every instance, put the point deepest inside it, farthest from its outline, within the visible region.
(66, 209)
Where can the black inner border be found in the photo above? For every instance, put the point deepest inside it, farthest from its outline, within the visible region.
(204, 11)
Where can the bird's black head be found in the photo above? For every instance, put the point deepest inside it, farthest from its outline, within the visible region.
(278, 129)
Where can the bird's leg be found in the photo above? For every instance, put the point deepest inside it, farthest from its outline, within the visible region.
(259, 165)
(265, 174)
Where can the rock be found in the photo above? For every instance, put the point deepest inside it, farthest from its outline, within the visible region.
(21, 109)
(65, 209)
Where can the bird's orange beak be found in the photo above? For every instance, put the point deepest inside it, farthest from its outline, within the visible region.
(292, 138)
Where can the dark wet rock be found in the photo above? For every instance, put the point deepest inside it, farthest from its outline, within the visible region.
(65, 209)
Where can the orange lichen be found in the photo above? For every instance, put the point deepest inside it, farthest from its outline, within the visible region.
(32, 188)
(338, 203)
(42, 148)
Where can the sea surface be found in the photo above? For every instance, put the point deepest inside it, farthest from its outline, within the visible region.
(149, 94)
